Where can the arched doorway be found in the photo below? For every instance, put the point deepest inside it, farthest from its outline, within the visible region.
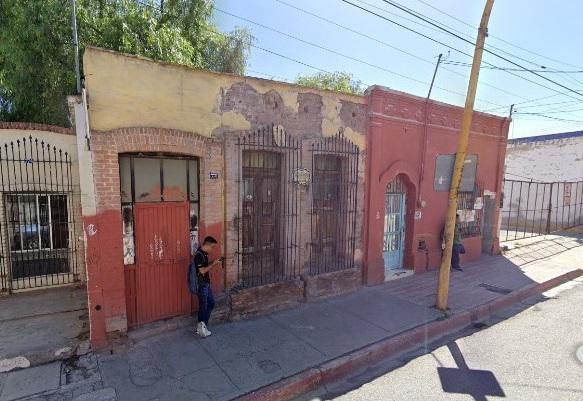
(394, 225)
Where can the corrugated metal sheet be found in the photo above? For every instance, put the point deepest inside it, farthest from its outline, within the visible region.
(156, 285)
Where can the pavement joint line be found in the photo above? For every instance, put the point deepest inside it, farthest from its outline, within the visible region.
(292, 332)
(13, 319)
(336, 368)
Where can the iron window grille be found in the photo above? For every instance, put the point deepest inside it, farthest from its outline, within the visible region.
(334, 202)
(466, 203)
(268, 207)
(37, 242)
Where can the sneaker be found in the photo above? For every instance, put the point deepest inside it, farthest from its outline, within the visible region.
(199, 328)
(205, 330)
(459, 269)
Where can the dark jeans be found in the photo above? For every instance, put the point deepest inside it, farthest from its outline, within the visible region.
(456, 250)
(206, 302)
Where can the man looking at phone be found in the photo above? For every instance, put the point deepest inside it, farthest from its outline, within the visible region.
(206, 301)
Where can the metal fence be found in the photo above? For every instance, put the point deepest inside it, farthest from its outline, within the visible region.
(268, 207)
(334, 200)
(37, 242)
(536, 208)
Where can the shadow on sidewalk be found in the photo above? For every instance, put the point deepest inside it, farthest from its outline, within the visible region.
(461, 380)
(244, 356)
(525, 251)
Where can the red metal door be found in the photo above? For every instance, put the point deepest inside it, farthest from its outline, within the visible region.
(156, 285)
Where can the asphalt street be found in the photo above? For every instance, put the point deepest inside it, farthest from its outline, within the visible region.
(530, 352)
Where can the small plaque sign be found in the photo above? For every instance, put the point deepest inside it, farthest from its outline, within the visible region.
(302, 176)
(213, 175)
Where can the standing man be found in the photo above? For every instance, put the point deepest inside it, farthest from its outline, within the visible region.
(206, 301)
(458, 246)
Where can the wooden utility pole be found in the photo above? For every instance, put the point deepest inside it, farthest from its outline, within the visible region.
(444, 269)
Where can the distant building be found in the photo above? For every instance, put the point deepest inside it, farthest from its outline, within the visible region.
(543, 187)
(548, 158)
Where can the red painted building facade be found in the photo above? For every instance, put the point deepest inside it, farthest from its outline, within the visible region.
(337, 192)
(408, 141)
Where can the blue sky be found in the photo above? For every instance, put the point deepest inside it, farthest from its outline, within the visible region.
(543, 27)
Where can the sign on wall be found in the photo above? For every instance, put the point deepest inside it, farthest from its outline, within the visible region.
(444, 171)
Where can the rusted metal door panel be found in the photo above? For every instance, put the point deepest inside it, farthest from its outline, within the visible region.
(156, 287)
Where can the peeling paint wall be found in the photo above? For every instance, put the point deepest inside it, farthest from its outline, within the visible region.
(126, 91)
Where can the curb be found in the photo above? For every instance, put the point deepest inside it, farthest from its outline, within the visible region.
(335, 369)
(36, 358)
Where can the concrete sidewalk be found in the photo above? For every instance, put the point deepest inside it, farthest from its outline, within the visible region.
(42, 326)
(242, 357)
(288, 352)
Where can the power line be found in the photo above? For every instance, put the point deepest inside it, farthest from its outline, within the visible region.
(364, 62)
(391, 46)
(550, 117)
(498, 38)
(450, 47)
(547, 71)
(421, 17)
(568, 77)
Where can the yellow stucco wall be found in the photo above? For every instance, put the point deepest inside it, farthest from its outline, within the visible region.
(127, 91)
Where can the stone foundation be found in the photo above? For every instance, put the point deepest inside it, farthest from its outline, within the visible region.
(266, 299)
(332, 284)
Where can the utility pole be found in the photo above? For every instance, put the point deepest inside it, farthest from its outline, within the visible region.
(426, 118)
(434, 74)
(444, 269)
(76, 44)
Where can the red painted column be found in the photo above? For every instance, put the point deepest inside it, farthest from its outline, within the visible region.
(105, 276)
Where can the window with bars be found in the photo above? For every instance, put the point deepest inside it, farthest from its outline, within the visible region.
(334, 199)
(471, 218)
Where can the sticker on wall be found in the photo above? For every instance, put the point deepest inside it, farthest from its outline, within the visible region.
(418, 214)
(479, 203)
(193, 241)
(91, 230)
(490, 194)
(466, 215)
(129, 250)
(213, 175)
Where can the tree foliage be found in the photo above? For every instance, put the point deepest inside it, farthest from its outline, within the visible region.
(37, 53)
(337, 81)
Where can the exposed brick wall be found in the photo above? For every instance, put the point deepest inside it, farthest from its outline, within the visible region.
(105, 249)
(267, 298)
(36, 127)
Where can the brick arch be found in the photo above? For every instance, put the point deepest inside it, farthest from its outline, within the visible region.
(108, 145)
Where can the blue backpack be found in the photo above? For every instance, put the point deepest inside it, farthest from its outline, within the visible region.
(192, 279)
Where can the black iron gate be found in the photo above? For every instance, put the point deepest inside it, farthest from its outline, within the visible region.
(268, 207)
(37, 242)
(334, 203)
(537, 208)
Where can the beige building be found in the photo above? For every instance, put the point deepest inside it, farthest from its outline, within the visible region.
(41, 240)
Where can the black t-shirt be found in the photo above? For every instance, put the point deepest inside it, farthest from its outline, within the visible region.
(201, 259)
